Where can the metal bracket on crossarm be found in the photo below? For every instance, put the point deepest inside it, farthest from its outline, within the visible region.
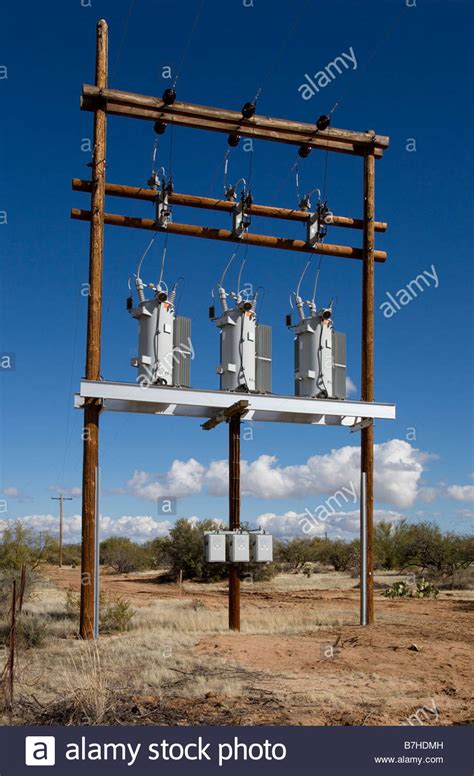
(364, 423)
(163, 208)
(239, 408)
(240, 215)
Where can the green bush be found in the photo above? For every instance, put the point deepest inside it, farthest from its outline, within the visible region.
(123, 555)
(115, 617)
(71, 554)
(7, 576)
(21, 545)
(115, 614)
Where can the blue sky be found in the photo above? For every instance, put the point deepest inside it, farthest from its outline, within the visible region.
(413, 82)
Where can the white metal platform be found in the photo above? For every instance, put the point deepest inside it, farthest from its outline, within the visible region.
(195, 403)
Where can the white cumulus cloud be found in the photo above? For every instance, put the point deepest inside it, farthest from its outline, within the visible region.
(342, 525)
(139, 528)
(398, 472)
(183, 479)
(461, 492)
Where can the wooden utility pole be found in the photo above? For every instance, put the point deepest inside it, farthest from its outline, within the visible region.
(94, 315)
(367, 392)
(233, 416)
(234, 517)
(61, 499)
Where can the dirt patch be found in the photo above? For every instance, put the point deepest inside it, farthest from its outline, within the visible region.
(301, 658)
(377, 675)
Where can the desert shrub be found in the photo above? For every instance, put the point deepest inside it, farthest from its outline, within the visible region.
(342, 555)
(388, 538)
(423, 545)
(7, 576)
(459, 580)
(71, 553)
(295, 553)
(31, 631)
(115, 614)
(21, 545)
(72, 602)
(123, 555)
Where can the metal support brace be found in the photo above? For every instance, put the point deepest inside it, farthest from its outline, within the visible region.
(364, 423)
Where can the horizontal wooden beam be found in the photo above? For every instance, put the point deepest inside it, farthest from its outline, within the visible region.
(220, 120)
(262, 240)
(208, 203)
(239, 408)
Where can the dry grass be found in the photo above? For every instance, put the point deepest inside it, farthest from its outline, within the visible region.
(156, 664)
(155, 657)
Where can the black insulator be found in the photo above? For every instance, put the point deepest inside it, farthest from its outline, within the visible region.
(159, 127)
(304, 151)
(288, 320)
(129, 302)
(233, 139)
(169, 96)
(212, 312)
(248, 110)
(162, 296)
(323, 122)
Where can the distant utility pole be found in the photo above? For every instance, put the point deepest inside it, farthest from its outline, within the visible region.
(61, 498)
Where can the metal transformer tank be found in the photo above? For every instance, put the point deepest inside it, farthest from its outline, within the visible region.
(164, 342)
(319, 357)
(245, 347)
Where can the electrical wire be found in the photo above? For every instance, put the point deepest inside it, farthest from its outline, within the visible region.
(274, 62)
(302, 276)
(382, 39)
(163, 261)
(239, 276)
(188, 43)
(124, 37)
(146, 251)
(221, 282)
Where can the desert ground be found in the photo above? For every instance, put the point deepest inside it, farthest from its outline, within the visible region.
(300, 658)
